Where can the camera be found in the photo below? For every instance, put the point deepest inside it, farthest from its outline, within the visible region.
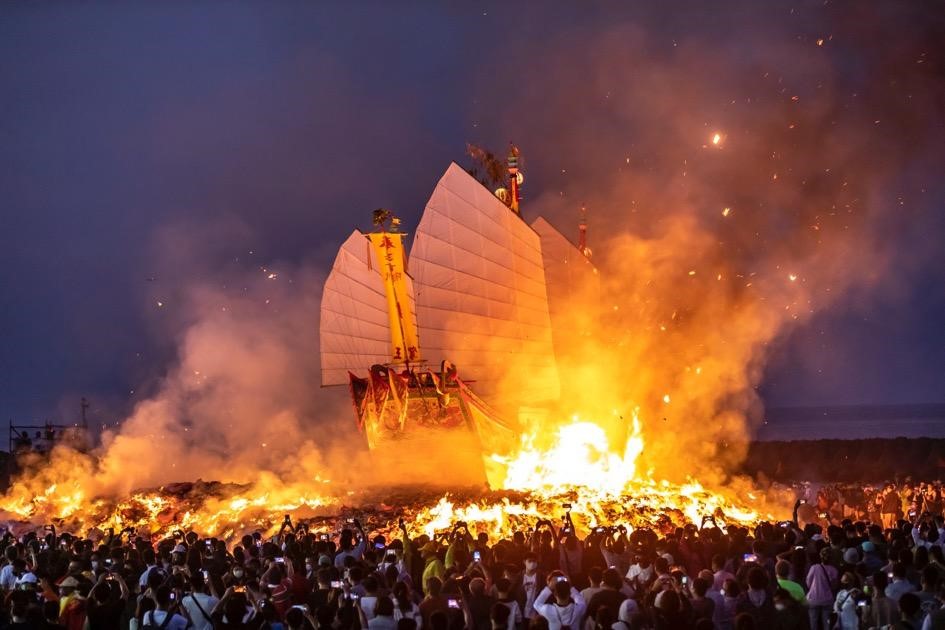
(749, 557)
(337, 583)
(452, 603)
(561, 578)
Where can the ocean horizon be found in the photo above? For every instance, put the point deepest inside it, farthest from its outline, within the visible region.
(852, 422)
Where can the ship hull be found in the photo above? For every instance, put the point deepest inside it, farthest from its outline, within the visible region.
(406, 417)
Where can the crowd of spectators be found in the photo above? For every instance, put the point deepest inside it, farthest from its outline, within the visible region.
(882, 503)
(876, 569)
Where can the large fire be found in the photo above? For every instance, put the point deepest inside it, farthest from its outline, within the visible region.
(579, 467)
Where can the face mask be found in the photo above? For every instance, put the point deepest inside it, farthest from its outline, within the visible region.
(779, 606)
(531, 566)
(237, 573)
(94, 565)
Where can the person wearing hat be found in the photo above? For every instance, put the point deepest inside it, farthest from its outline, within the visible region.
(851, 557)
(628, 610)
(71, 604)
(871, 559)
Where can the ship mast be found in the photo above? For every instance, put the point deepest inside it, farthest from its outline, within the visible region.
(582, 234)
(515, 179)
(389, 249)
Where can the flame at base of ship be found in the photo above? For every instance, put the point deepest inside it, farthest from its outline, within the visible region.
(423, 342)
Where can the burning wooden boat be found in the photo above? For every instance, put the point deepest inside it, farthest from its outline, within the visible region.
(413, 337)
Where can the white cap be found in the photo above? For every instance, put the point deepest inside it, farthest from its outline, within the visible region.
(628, 609)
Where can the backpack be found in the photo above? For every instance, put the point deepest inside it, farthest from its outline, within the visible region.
(152, 626)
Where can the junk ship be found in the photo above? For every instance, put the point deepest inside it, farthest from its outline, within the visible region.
(458, 342)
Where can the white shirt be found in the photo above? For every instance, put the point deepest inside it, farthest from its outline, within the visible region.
(413, 613)
(207, 603)
(718, 614)
(590, 592)
(558, 616)
(143, 580)
(382, 623)
(845, 607)
(530, 585)
(156, 618)
(356, 552)
(637, 571)
(368, 604)
(515, 613)
(7, 579)
(921, 542)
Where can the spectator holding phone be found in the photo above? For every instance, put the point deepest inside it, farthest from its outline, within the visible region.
(566, 609)
(198, 604)
(167, 606)
(106, 602)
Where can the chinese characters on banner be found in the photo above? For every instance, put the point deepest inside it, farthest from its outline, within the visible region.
(389, 249)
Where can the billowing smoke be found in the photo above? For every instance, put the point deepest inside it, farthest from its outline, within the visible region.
(735, 187)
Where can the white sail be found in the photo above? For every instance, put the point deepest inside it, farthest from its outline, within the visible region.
(573, 286)
(480, 290)
(354, 330)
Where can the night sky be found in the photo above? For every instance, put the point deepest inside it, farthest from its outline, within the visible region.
(148, 148)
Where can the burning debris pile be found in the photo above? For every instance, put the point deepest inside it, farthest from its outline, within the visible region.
(228, 511)
(604, 490)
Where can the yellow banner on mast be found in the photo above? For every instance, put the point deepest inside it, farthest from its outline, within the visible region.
(389, 248)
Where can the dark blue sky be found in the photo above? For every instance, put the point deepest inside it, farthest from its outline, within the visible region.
(265, 131)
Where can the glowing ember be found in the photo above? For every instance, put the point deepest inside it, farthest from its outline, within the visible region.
(716, 139)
